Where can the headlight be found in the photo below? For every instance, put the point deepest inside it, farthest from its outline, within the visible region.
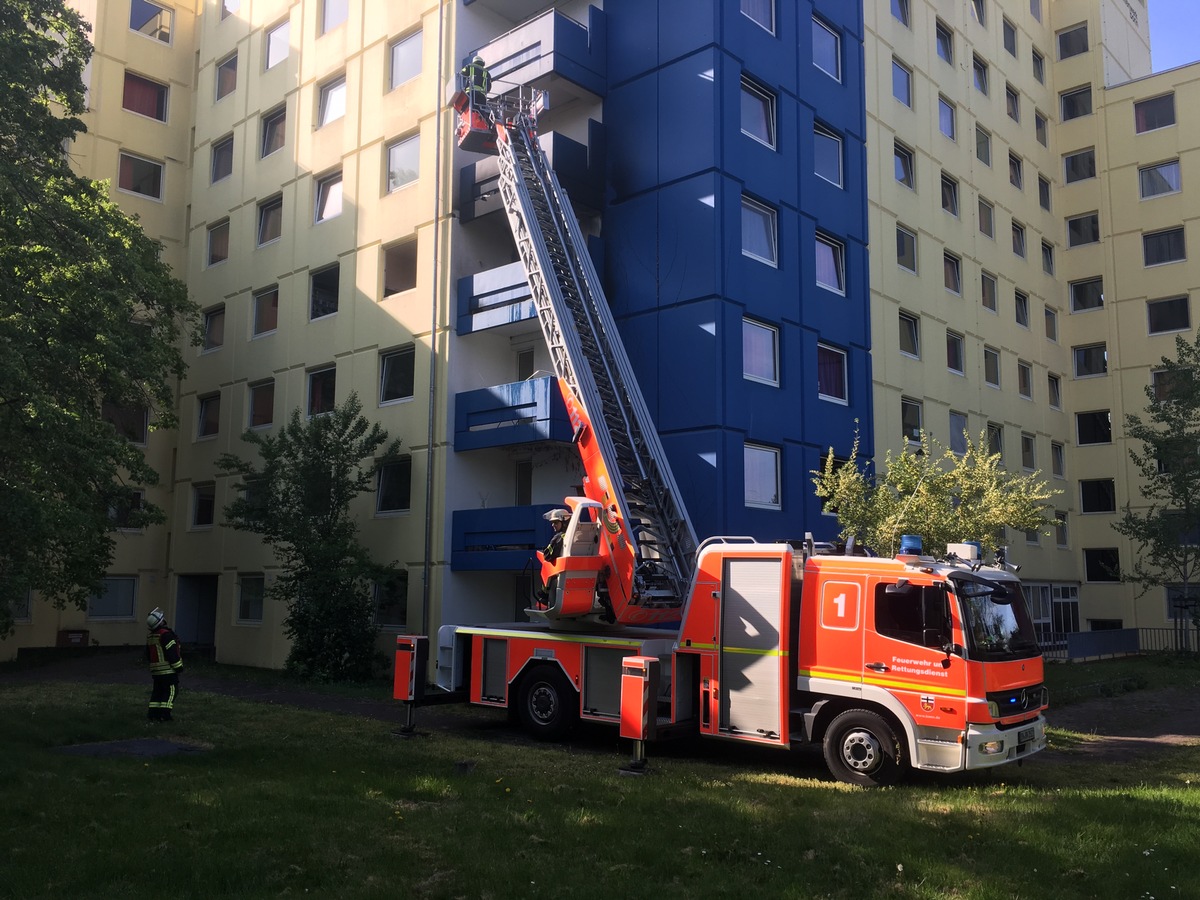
(991, 748)
(993, 709)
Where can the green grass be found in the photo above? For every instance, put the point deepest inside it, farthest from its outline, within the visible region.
(1073, 682)
(288, 802)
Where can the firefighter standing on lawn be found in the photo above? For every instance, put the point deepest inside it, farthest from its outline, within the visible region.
(166, 662)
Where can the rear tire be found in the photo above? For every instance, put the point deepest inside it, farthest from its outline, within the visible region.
(861, 748)
(547, 704)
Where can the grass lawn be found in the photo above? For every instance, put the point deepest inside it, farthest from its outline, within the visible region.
(288, 802)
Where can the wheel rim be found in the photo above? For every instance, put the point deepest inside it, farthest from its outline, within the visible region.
(543, 703)
(861, 751)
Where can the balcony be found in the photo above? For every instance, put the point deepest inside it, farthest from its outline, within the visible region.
(494, 298)
(502, 539)
(523, 412)
(552, 52)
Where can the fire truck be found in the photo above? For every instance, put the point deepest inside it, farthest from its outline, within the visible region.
(888, 664)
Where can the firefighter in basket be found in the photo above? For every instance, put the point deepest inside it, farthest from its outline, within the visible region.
(558, 519)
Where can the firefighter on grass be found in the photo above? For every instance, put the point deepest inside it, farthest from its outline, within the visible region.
(166, 662)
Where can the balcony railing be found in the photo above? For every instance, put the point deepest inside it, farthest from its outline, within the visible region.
(502, 415)
(550, 47)
(500, 539)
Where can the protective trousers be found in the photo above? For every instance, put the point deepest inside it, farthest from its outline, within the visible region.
(162, 697)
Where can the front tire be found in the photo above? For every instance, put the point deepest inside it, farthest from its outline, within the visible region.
(861, 748)
(547, 704)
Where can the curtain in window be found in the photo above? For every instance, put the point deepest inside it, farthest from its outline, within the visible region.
(760, 11)
(145, 97)
(831, 373)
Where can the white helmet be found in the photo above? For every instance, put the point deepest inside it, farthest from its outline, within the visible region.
(557, 515)
(155, 618)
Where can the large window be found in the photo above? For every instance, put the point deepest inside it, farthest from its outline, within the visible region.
(145, 97)
(827, 155)
(1083, 229)
(1054, 390)
(1012, 102)
(760, 352)
(1093, 427)
(827, 49)
(1025, 379)
(323, 293)
(1058, 460)
(204, 504)
(403, 162)
(1073, 41)
(760, 238)
(949, 194)
(116, 599)
(394, 493)
(1010, 37)
(947, 123)
(270, 220)
(329, 197)
(1172, 314)
(903, 164)
(1076, 103)
(333, 14)
(1018, 239)
(222, 160)
(214, 328)
(955, 352)
(912, 414)
(1162, 178)
(910, 335)
(140, 176)
(906, 249)
(983, 145)
(1086, 294)
(1021, 308)
(980, 74)
(758, 112)
(405, 59)
(208, 415)
(266, 311)
(1039, 67)
(830, 264)
(332, 102)
(399, 268)
(262, 404)
(1163, 247)
(322, 387)
(979, 11)
(952, 273)
(761, 477)
(1041, 129)
(1157, 112)
(1050, 319)
(1016, 171)
(831, 374)
(218, 242)
(902, 82)
(251, 590)
(226, 76)
(987, 291)
(1079, 165)
(1097, 495)
(274, 130)
(900, 12)
(991, 366)
(1101, 564)
(150, 19)
(397, 369)
(278, 44)
(1047, 257)
(945, 41)
(1090, 360)
(987, 218)
(1028, 451)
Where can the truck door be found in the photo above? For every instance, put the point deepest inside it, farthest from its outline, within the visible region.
(753, 670)
(832, 647)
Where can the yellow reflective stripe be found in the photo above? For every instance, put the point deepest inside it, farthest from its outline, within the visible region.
(753, 651)
(930, 687)
(830, 674)
(558, 638)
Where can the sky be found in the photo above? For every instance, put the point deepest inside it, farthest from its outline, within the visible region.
(1174, 25)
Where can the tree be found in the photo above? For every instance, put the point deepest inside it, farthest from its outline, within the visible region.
(934, 493)
(298, 499)
(1166, 531)
(91, 327)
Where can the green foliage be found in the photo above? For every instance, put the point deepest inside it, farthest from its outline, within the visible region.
(91, 323)
(298, 499)
(932, 492)
(1166, 530)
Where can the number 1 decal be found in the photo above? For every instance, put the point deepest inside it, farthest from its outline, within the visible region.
(840, 605)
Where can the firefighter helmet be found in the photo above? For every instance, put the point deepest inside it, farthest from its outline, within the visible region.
(155, 618)
(477, 61)
(556, 515)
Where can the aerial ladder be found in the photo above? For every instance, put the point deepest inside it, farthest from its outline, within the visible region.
(629, 548)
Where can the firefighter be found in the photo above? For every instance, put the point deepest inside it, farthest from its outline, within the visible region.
(558, 519)
(166, 662)
(476, 81)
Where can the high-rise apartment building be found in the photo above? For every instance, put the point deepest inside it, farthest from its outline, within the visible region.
(1015, 175)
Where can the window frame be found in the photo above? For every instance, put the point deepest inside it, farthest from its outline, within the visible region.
(220, 150)
(396, 47)
(947, 118)
(224, 83)
(126, 184)
(750, 499)
(1147, 236)
(389, 470)
(766, 103)
(943, 37)
(272, 123)
(213, 329)
(395, 148)
(247, 601)
(1083, 229)
(905, 73)
(952, 272)
(909, 406)
(1075, 294)
(108, 582)
(904, 165)
(1183, 301)
(1024, 379)
(313, 275)
(991, 366)
(160, 34)
(983, 145)
(162, 94)
(1097, 427)
(836, 37)
(256, 319)
(909, 236)
(986, 213)
(950, 193)
(254, 412)
(981, 75)
(323, 196)
(1069, 97)
(822, 132)
(316, 387)
(1089, 360)
(270, 44)
(406, 357)
(208, 415)
(843, 398)
(1156, 168)
(270, 213)
(1066, 41)
(770, 218)
(212, 231)
(1079, 165)
(986, 278)
(1144, 104)
(327, 94)
(909, 334)
(754, 326)
(956, 347)
(838, 259)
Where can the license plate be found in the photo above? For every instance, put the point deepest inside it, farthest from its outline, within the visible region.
(1025, 735)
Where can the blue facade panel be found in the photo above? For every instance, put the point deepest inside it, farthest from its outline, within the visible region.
(501, 539)
(522, 412)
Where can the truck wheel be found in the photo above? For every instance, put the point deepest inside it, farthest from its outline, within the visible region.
(547, 704)
(861, 748)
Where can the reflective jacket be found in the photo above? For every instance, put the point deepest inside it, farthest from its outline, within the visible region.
(162, 650)
(476, 78)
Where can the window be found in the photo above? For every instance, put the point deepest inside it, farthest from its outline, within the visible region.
(987, 224)
(1039, 67)
(391, 602)
(1090, 360)
(1054, 390)
(394, 493)
(140, 176)
(1040, 128)
(329, 197)
(403, 162)
(995, 438)
(1083, 229)
(955, 352)
(1165, 383)
(214, 328)
(145, 97)
(332, 102)
(22, 608)
(1018, 239)
(1047, 258)
(758, 113)
(1097, 495)
(900, 12)
(150, 19)
(911, 416)
(117, 597)
(759, 234)
(270, 220)
(946, 118)
(266, 311)
(262, 404)
(396, 374)
(1028, 452)
(1076, 103)
(949, 194)
(405, 60)
(1025, 379)
(1058, 460)
(229, 7)
(827, 49)
(1181, 604)
(208, 415)
(831, 264)
(1012, 102)
(1086, 294)
(278, 40)
(991, 366)
(903, 164)
(226, 76)
(1035, 9)
(323, 293)
(902, 82)
(130, 422)
(333, 14)
(1021, 308)
(322, 384)
(1172, 314)
(1093, 427)
(222, 160)
(983, 145)
(987, 290)
(218, 243)
(1079, 165)
(125, 512)
(906, 248)
(979, 70)
(958, 432)
(204, 504)
(1159, 179)
(1101, 564)
(831, 374)
(979, 11)
(827, 155)
(399, 268)
(910, 335)
(1050, 317)
(761, 477)
(1163, 247)
(945, 41)
(760, 352)
(1016, 171)
(1010, 37)
(1073, 41)
(251, 590)
(1157, 112)
(952, 273)
(273, 130)
(1044, 193)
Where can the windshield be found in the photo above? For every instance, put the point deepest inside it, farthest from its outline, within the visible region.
(995, 619)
